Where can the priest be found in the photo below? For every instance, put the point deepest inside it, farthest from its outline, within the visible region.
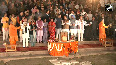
(102, 34)
(13, 34)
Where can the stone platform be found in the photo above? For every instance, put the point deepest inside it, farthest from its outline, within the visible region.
(84, 47)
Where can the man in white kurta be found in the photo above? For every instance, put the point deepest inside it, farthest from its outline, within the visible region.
(39, 24)
(25, 35)
(81, 23)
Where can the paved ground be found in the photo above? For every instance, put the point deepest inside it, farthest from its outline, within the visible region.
(41, 57)
(103, 59)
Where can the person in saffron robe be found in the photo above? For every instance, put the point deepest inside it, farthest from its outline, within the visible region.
(51, 27)
(81, 24)
(102, 34)
(39, 24)
(13, 34)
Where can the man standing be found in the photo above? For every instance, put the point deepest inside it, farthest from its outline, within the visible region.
(45, 30)
(25, 35)
(73, 28)
(66, 24)
(81, 24)
(21, 30)
(58, 26)
(94, 28)
(31, 32)
(5, 27)
(39, 24)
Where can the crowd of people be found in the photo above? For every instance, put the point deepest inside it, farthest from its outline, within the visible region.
(48, 18)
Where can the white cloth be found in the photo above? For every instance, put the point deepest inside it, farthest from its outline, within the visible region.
(80, 35)
(25, 35)
(28, 27)
(25, 40)
(81, 28)
(58, 31)
(21, 38)
(5, 34)
(68, 23)
(74, 32)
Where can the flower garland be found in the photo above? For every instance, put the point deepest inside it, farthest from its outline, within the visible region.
(54, 45)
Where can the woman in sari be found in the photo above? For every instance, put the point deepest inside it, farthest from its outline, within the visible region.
(51, 30)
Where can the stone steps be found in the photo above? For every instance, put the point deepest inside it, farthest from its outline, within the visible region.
(45, 52)
(89, 42)
(7, 59)
(20, 44)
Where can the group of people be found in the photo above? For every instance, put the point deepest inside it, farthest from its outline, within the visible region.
(39, 29)
(37, 21)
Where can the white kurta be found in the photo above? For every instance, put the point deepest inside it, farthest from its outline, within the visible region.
(25, 34)
(81, 28)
